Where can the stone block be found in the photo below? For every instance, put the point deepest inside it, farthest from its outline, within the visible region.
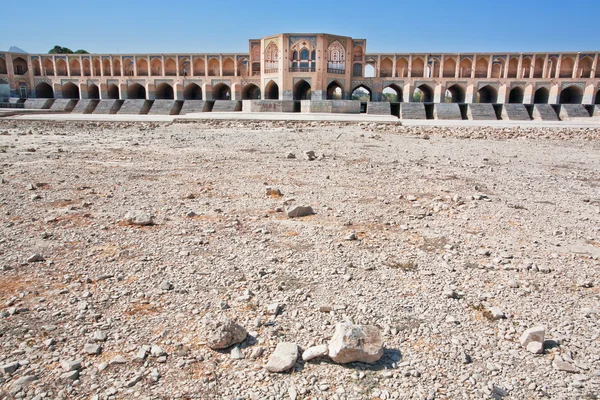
(194, 106)
(446, 111)
(412, 111)
(569, 112)
(481, 111)
(135, 107)
(85, 106)
(268, 106)
(379, 108)
(596, 111)
(64, 105)
(165, 107)
(39, 104)
(515, 112)
(330, 106)
(227, 106)
(544, 112)
(108, 107)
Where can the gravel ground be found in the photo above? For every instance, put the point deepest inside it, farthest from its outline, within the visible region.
(452, 241)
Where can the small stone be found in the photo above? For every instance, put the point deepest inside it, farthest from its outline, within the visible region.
(236, 353)
(561, 365)
(272, 192)
(70, 365)
(138, 218)
(535, 334)
(118, 360)
(273, 309)
(99, 336)
(142, 353)
(191, 214)
(299, 211)
(351, 236)
(352, 343)
(315, 352)
(291, 156)
(166, 285)
(36, 258)
(92, 349)
(157, 351)
(70, 376)
(283, 358)
(310, 155)
(224, 332)
(10, 367)
(496, 313)
(133, 382)
(22, 382)
(535, 347)
(256, 352)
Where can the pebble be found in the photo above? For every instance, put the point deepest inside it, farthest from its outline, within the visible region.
(283, 358)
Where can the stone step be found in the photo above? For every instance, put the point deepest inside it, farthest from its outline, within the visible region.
(195, 106)
(330, 106)
(412, 111)
(39, 104)
(446, 111)
(227, 106)
(596, 111)
(108, 107)
(268, 106)
(166, 107)
(379, 108)
(544, 112)
(573, 111)
(85, 106)
(515, 112)
(64, 105)
(481, 111)
(135, 107)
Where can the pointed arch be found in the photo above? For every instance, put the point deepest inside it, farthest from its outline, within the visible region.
(164, 91)
(358, 53)
(221, 92)
(44, 91)
(336, 57)
(37, 70)
(20, 66)
(423, 94)
(96, 68)
(93, 92)
(228, 67)
(155, 67)
(513, 66)
(386, 67)
(170, 67)
(481, 68)
(242, 67)
(571, 95)
(192, 92)
(417, 67)
(585, 67)
(128, 69)
(70, 91)
(251, 92)
(112, 92)
(457, 93)
(335, 91)
(142, 67)
(538, 69)
(75, 67)
(214, 67)
(551, 69)
(526, 68)
(541, 96)
(61, 67)
(487, 94)
(449, 68)
(402, 68)
(87, 71)
(116, 67)
(567, 64)
(362, 93)
(272, 58)
(465, 68)
(302, 90)
(392, 93)
(199, 67)
(516, 95)
(272, 91)
(136, 92)
(184, 66)
(106, 67)
(48, 67)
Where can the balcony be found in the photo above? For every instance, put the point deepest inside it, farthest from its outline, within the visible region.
(255, 73)
(271, 70)
(336, 71)
(302, 69)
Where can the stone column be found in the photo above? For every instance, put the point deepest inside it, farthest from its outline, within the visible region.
(594, 65)
(575, 72)
(558, 65)
(441, 74)
(545, 69)
(507, 66)
(457, 69)
(68, 66)
(221, 66)
(206, 66)
(490, 63)
(473, 66)
(409, 72)
(520, 67)
(425, 65)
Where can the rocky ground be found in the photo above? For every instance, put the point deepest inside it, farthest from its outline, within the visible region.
(122, 244)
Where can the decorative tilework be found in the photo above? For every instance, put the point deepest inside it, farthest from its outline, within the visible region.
(495, 85)
(387, 83)
(515, 84)
(342, 82)
(580, 85)
(36, 81)
(308, 80)
(294, 39)
(65, 81)
(215, 82)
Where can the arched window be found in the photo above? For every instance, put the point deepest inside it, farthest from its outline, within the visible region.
(295, 56)
(304, 55)
(271, 58)
(336, 55)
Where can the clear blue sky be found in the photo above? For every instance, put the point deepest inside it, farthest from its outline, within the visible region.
(132, 26)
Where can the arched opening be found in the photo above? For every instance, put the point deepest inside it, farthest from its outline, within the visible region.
(70, 91)
(184, 67)
(199, 67)
(417, 68)
(61, 67)
(302, 90)
(392, 93)
(369, 70)
(37, 70)
(214, 67)
(136, 92)
(112, 92)
(361, 93)
(116, 67)
(75, 67)
(358, 53)
(541, 96)
(449, 68)
(251, 92)
(566, 67)
(96, 67)
(44, 91)
(243, 67)
(3, 69)
(170, 67)
(86, 67)
(357, 70)
(455, 94)
(585, 67)
(164, 91)
(229, 67)
(487, 94)
(402, 68)
(20, 66)
(552, 67)
(334, 91)
(423, 94)
(221, 92)
(498, 69)
(435, 67)
(481, 68)
(465, 68)
(571, 95)
(93, 92)
(516, 95)
(106, 67)
(142, 67)
(597, 99)
(192, 92)
(128, 69)
(255, 69)
(155, 67)
(526, 67)
(48, 67)
(272, 91)
(513, 66)
(385, 68)
(538, 69)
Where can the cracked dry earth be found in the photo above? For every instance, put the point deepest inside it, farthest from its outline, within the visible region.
(463, 239)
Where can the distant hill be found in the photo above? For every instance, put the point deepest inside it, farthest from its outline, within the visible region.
(15, 49)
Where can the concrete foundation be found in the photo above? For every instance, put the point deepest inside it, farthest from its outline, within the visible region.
(481, 111)
(135, 107)
(379, 108)
(412, 111)
(267, 106)
(515, 112)
(195, 106)
(227, 106)
(166, 107)
(596, 111)
(573, 111)
(108, 107)
(66, 105)
(330, 106)
(446, 111)
(85, 106)
(38, 104)
(544, 112)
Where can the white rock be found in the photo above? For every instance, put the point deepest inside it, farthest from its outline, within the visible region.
(314, 352)
(138, 218)
(535, 347)
(224, 332)
(283, 358)
(299, 211)
(496, 313)
(352, 343)
(535, 334)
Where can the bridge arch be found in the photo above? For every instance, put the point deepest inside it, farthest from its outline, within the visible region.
(251, 92)
(481, 68)
(214, 67)
(541, 96)
(136, 92)
(392, 93)
(335, 91)
(199, 69)
(513, 67)
(228, 67)
(402, 68)
(75, 67)
(585, 67)
(362, 92)
(465, 68)
(526, 67)
(70, 91)
(538, 68)
(156, 67)
(272, 91)
(417, 67)
(221, 91)
(164, 91)
(112, 92)
(567, 64)
(386, 67)
(487, 94)
(61, 67)
(192, 92)
(302, 90)
(449, 70)
(170, 67)
(457, 93)
(20, 66)
(47, 66)
(423, 94)
(516, 95)
(116, 67)
(37, 69)
(571, 95)
(93, 92)
(44, 91)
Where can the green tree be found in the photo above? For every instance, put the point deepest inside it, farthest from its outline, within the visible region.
(65, 50)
